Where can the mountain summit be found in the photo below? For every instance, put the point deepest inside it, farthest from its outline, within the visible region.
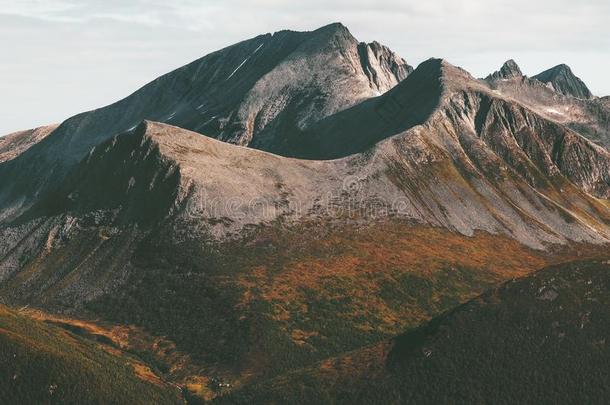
(508, 70)
(564, 81)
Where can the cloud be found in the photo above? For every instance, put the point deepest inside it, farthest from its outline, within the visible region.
(53, 10)
(438, 28)
(474, 24)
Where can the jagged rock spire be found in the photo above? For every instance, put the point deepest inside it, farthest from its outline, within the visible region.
(508, 70)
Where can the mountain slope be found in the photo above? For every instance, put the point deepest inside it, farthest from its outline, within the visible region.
(468, 161)
(45, 364)
(252, 93)
(540, 339)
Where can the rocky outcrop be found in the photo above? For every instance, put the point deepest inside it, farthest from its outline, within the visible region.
(564, 81)
(509, 70)
(383, 67)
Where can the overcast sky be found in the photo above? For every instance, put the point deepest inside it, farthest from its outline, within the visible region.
(62, 57)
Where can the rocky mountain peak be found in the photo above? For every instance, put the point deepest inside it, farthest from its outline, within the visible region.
(382, 66)
(564, 81)
(332, 36)
(508, 70)
(334, 27)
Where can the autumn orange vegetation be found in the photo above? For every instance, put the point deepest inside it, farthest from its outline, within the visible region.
(361, 262)
(308, 293)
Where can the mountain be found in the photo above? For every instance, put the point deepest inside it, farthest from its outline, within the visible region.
(179, 233)
(539, 339)
(253, 93)
(559, 96)
(370, 199)
(564, 81)
(45, 364)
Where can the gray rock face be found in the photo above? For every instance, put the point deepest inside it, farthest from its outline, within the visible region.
(564, 81)
(382, 66)
(509, 70)
(437, 135)
(358, 128)
(255, 93)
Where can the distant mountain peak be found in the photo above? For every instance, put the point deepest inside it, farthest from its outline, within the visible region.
(335, 26)
(510, 67)
(334, 30)
(329, 28)
(508, 70)
(564, 81)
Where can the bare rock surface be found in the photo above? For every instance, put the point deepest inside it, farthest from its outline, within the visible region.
(508, 70)
(252, 93)
(562, 79)
(14, 144)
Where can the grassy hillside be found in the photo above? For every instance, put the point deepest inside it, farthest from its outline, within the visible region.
(44, 364)
(542, 339)
(282, 298)
(290, 297)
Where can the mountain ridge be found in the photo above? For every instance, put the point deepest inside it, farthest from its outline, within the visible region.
(587, 115)
(14, 144)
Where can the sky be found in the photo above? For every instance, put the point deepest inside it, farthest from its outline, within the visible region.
(62, 57)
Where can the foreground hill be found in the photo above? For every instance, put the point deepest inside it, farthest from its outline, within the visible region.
(43, 364)
(541, 339)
